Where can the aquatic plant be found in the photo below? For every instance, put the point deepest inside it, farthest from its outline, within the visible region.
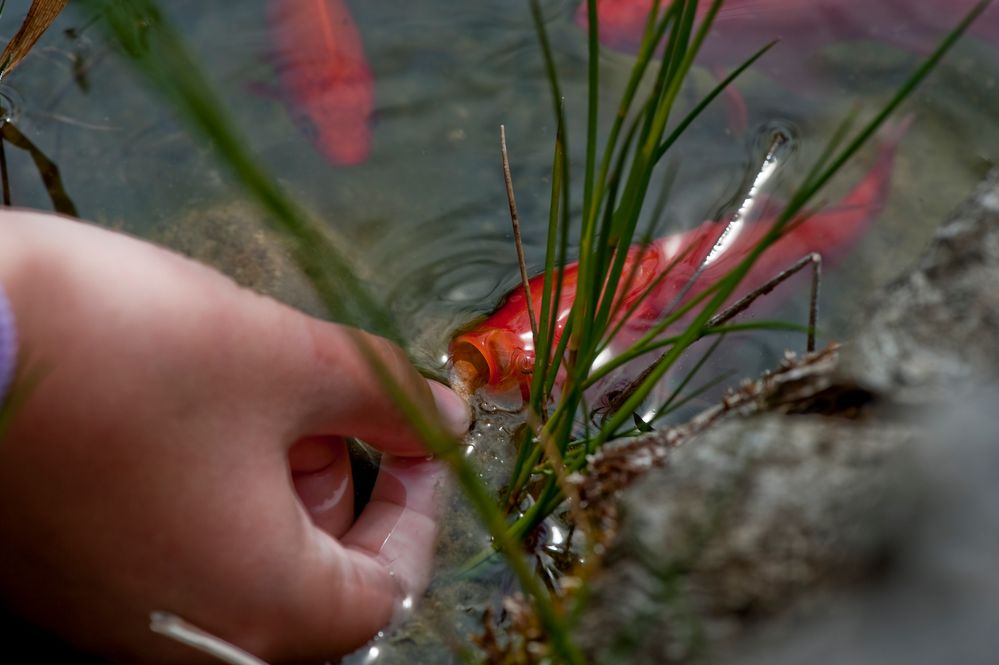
(613, 197)
(616, 183)
(551, 449)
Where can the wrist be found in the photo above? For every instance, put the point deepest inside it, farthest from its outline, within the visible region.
(8, 346)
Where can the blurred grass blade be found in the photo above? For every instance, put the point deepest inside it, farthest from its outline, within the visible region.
(546, 51)
(700, 390)
(694, 371)
(184, 632)
(40, 16)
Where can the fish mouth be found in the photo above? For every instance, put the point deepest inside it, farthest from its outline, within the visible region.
(494, 358)
(470, 362)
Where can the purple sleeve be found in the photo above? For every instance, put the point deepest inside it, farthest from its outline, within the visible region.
(8, 345)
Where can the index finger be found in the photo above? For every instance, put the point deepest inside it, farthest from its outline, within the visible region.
(340, 392)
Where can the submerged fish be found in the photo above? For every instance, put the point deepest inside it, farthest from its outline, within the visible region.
(803, 27)
(499, 352)
(324, 75)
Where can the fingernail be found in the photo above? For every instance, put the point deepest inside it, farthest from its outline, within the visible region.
(452, 408)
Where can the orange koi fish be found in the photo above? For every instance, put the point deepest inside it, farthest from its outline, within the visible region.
(499, 352)
(325, 75)
(803, 27)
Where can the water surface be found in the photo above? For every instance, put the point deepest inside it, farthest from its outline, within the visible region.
(425, 216)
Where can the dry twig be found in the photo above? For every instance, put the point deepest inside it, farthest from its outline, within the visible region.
(517, 239)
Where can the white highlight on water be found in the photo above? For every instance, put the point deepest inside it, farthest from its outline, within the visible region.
(738, 222)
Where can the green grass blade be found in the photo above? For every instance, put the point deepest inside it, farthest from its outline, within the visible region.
(593, 98)
(653, 35)
(550, 292)
(706, 101)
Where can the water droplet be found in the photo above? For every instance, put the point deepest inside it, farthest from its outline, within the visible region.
(10, 104)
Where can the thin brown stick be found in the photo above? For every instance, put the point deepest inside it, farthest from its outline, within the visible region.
(815, 260)
(47, 169)
(517, 239)
(813, 301)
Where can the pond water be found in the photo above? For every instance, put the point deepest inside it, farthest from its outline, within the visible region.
(425, 214)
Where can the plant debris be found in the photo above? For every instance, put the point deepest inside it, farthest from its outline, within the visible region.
(805, 384)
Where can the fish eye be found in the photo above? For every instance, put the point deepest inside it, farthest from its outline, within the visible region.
(525, 363)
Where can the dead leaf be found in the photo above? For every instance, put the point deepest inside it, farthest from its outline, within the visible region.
(40, 16)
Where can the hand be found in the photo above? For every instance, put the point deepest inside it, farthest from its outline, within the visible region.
(182, 451)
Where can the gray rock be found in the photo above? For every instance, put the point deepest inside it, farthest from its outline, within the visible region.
(758, 523)
(745, 519)
(939, 601)
(938, 324)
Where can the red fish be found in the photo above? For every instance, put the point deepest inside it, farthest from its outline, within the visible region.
(325, 75)
(803, 27)
(499, 351)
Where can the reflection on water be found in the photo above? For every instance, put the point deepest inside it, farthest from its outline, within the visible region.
(426, 214)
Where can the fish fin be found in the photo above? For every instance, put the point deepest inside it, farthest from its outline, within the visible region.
(744, 9)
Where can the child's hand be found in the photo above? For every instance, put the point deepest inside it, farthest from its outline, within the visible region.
(181, 451)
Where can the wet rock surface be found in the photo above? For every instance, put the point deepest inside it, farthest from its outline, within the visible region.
(744, 520)
(767, 534)
(936, 326)
(939, 600)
